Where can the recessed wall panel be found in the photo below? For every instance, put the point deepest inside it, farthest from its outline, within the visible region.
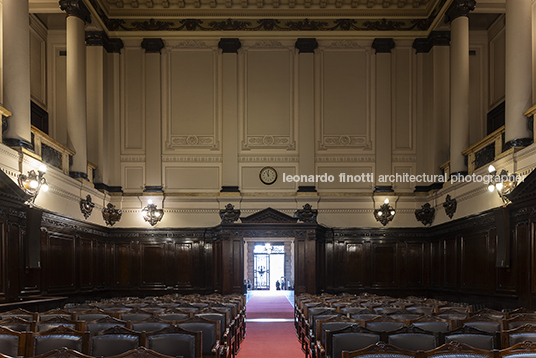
(192, 178)
(192, 103)
(268, 97)
(133, 178)
(134, 116)
(403, 115)
(344, 85)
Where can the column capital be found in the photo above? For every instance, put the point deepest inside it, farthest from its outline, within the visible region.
(229, 45)
(306, 45)
(459, 8)
(152, 45)
(76, 8)
(99, 38)
(382, 45)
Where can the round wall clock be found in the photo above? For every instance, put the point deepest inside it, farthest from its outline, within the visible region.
(268, 175)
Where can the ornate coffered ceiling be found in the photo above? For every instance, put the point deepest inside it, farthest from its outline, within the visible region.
(261, 18)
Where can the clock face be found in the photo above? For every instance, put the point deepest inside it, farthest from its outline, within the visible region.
(268, 175)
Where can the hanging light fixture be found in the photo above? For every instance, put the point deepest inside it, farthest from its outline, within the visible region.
(33, 182)
(503, 183)
(151, 214)
(385, 213)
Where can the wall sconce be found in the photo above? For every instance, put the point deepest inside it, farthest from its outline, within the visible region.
(503, 183)
(33, 182)
(385, 213)
(151, 214)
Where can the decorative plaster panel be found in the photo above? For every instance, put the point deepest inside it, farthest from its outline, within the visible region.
(343, 84)
(191, 177)
(268, 90)
(193, 108)
(404, 94)
(133, 119)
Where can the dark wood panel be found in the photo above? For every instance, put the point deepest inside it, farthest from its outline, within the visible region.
(436, 264)
(414, 263)
(100, 264)
(477, 259)
(354, 264)
(85, 264)
(123, 265)
(152, 265)
(184, 269)
(3, 260)
(61, 273)
(300, 266)
(384, 267)
(450, 262)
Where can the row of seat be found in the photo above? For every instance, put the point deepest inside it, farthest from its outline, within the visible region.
(448, 350)
(417, 327)
(185, 339)
(64, 352)
(145, 316)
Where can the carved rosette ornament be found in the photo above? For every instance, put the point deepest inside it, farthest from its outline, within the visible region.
(307, 214)
(425, 214)
(111, 215)
(86, 206)
(76, 8)
(450, 206)
(229, 214)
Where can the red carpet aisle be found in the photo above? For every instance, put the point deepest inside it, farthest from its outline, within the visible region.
(270, 327)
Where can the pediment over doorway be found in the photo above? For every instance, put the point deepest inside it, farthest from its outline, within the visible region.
(269, 216)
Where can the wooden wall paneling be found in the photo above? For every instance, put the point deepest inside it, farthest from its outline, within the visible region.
(477, 258)
(218, 269)
(331, 276)
(100, 264)
(232, 264)
(506, 277)
(384, 265)
(300, 266)
(450, 263)
(185, 257)
(321, 264)
(310, 264)
(207, 262)
(170, 275)
(111, 265)
(153, 265)
(354, 264)
(14, 260)
(436, 264)
(415, 253)
(238, 266)
(61, 260)
(3, 259)
(85, 258)
(523, 260)
(123, 268)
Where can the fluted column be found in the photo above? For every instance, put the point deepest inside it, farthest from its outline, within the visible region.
(77, 15)
(16, 49)
(518, 87)
(459, 83)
